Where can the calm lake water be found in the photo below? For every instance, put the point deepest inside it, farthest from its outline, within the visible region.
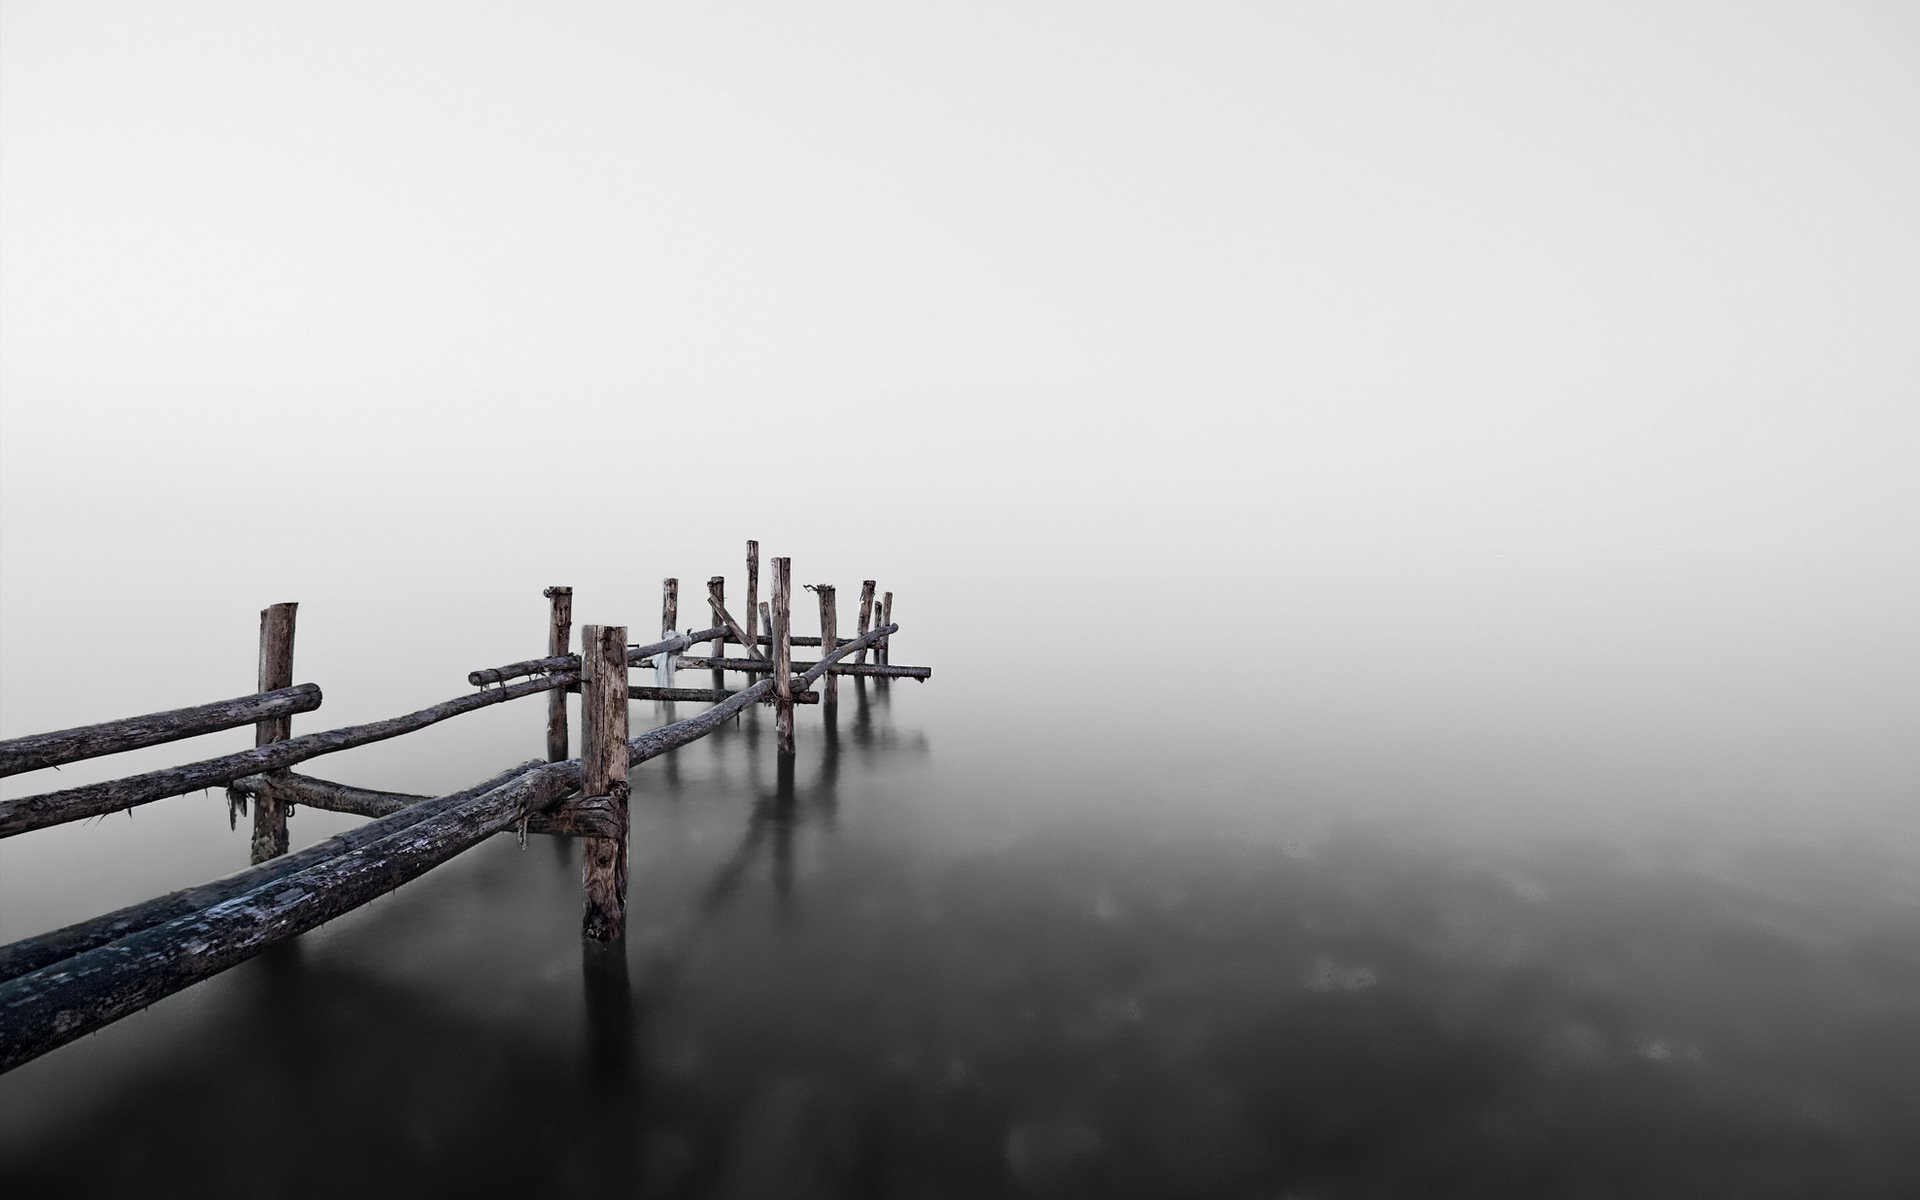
(1152, 927)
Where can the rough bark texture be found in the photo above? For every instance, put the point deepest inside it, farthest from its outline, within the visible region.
(720, 614)
(753, 594)
(866, 613)
(570, 663)
(783, 654)
(604, 763)
(276, 672)
(559, 635)
(30, 954)
(74, 804)
(698, 695)
(367, 802)
(870, 671)
(39, 750)
(829, 635)
(716, 600)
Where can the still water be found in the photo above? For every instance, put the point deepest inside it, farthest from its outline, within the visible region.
(1147, 927)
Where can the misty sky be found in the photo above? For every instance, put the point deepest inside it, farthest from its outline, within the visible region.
(1500, 316)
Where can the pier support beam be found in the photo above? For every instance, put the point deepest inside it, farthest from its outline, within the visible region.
(603, 757)
(829, 637)
(559, 633)
(276, 672)
(783, 654)
(753, 595)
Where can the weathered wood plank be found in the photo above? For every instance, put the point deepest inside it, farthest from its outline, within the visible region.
(40, 750)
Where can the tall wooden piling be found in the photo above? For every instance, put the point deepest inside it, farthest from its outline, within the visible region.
(716, 600)
(603, 760)
(559, 634)
(669, 607)
(276, 672)
(753, 595)
(866, 615)
(782, 654)
(883, 653)
(829, 638)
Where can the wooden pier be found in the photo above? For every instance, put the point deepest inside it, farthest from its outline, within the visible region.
(60, 985)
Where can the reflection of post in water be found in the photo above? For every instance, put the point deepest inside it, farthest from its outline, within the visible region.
(826, 791)
(783, 820)
(609, 996)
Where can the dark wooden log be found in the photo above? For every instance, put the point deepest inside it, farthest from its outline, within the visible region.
(603, 761)
(866, 613)
(783, 654)
(698, 695)
(276, 672)
(74, 804)
(570, 663)
(57, 1003)
(766, 623)
(559, 636)
(870, 671)
(30, 954)
(829, 635)
(753, 595)
(717, 602)
(669, 607)
(31, 753)
(325, 794)
(883, 653)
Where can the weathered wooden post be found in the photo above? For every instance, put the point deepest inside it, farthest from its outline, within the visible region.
(766, 620)
(603, 759)
(883, 653)
(276, 671)
(829, 638)
(753, 594)
(716, 599)
(782, 655)
(669, 606)
(559, 634)
(866, 615)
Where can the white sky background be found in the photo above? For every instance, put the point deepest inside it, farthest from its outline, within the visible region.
(1536, 334)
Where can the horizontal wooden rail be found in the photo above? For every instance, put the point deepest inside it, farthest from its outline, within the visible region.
(752, 666)
(75, 804)
(694, 695)
(367, 802)
(30, 954)
(35, 751)
(570, 663)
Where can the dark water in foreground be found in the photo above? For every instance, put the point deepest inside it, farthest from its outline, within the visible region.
(906, 969)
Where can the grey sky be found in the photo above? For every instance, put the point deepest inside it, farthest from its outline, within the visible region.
(1499, 317)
